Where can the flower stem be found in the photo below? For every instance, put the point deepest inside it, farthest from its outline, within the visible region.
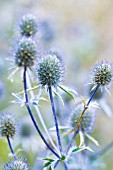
(95, 90)
(79, 120)
(40, 116)
(65, 166)
(31, 115)
(56, 164)
(10, 146)
(55, 119)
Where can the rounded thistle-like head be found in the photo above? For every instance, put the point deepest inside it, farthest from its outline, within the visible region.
(26, 52)
(102, 74)
(88, 120)
(17, 164)
(8, 125)
(50, 70)
(28, 25)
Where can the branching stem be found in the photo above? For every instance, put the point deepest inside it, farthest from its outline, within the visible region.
(79, 120)
(10, 146)
(40, 116)
(31, 115)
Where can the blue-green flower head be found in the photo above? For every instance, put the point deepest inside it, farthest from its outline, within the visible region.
(17, 164)
(25, 53)
(88, 120)
(8, 125)
(28, 25)
(102, 74)
(50, 70)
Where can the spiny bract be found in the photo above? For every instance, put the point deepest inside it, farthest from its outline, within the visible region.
(26, 52)
(28, 25)
(16, 164)
(8, 125)
(88, 120)
(50, 70)
(102, 74)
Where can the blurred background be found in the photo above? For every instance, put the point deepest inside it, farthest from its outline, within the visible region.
(83, 31)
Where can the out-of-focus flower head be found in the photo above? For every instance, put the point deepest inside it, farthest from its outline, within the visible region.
(88, 120)
(17, 164)
(28, 25)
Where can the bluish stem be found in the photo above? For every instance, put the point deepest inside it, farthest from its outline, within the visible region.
(10, 146)
(56, 164)
(31, 115)
(55, 119)
(79, 121)
(95, 90)
(65, 166)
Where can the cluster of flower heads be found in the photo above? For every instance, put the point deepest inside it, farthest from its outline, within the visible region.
(88, 120)
(8, 125)
(102, 74)
(16, 164)
(26, 50)
(50, 70)
(9, 128)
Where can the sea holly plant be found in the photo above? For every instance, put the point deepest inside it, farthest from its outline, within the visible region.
(48, 71)
(102, 76)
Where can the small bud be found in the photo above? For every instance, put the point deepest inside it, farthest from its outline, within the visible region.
(8, 125)
(26, 52)
(102, 74)
(88, 120)
(50, 70)
(17, 164)
(28, 25)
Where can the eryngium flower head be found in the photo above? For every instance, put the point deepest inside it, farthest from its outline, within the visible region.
(102, 74)
(28, 25)
(88, 120)
(17, 164)
(8, 125)
(50, 70)
(26, 52)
